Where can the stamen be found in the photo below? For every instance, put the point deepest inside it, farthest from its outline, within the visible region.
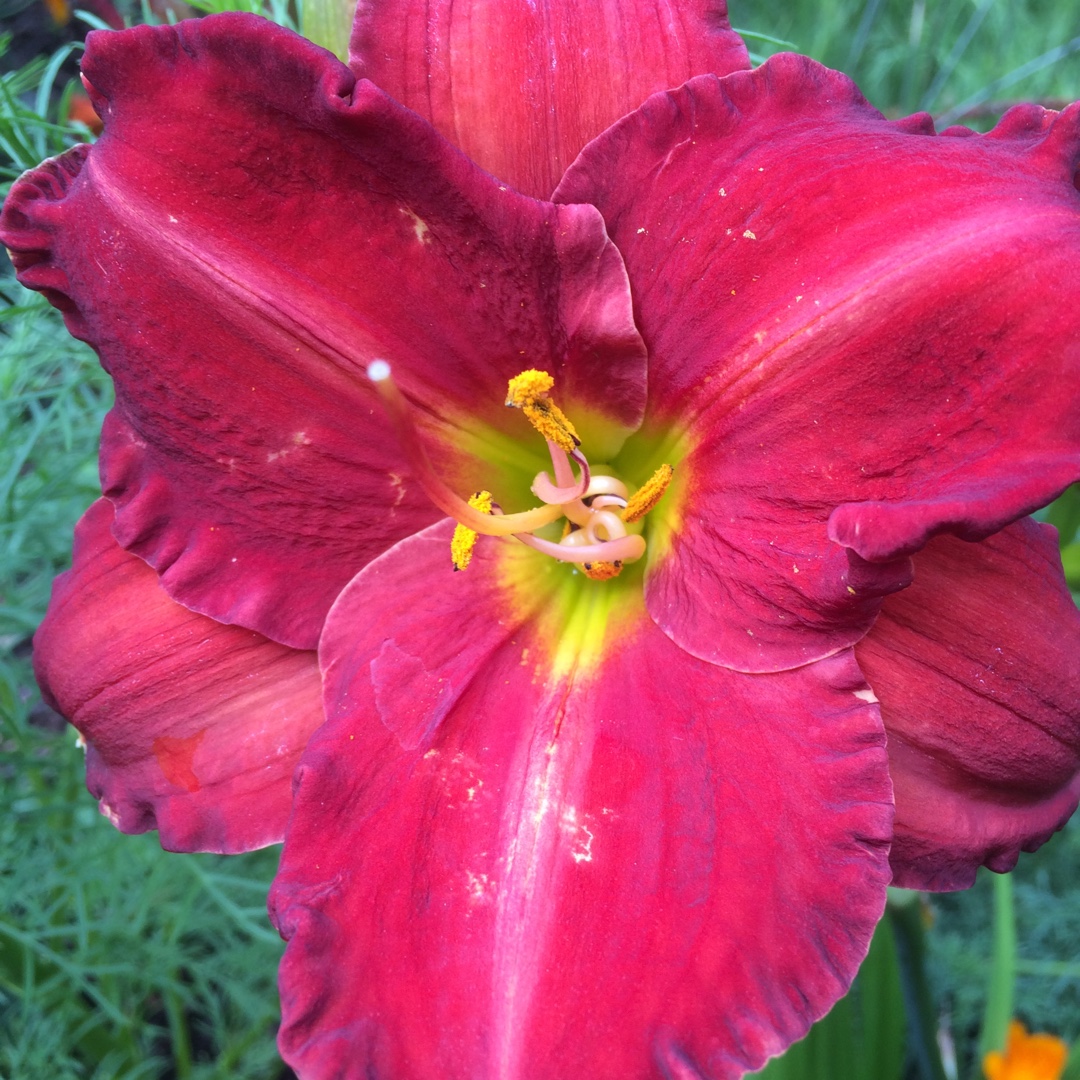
(573, 537)
(527, 386)
(604, 525)
(649, 494)
(602, 571)
(625, 549)
(570, 489)
(602, 501)
(436, 490)
(595, 508)
(606, 485)
(463, 541)
(529, 393)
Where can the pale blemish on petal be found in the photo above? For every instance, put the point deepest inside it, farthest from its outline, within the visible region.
(580, 835)
(422, 232)
(397, 482)
(299, 439)
(481, 889)
(867, 695)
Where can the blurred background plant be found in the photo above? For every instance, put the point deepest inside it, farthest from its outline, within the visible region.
(122, 962)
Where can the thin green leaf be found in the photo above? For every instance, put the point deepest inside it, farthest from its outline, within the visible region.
(907, 916)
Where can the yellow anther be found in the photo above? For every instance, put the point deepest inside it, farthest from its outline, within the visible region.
(649, 494)
(550, 421)
(464, 539)
(601, 571)
(529, 393)
(527, 386)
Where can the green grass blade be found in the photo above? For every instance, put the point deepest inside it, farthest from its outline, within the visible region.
(991, 90)
(906, 914)
(956, 54)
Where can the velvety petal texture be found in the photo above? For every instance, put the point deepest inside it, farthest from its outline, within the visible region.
(191, 728)
(863, 333)
(522, 85)
(977, 666)
(517, 853)
(253, 228)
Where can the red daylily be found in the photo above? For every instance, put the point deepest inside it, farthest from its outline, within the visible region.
(556, 826)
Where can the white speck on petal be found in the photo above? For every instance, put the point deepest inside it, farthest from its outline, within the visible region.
(419, 226)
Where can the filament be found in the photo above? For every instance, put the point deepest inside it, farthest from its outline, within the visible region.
(434, 487)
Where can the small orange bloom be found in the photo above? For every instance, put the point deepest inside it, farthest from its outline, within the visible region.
(82, 110)
(59, 10)
(1027, 1057)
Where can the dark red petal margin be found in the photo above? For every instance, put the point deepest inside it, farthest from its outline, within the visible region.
(191, 728)
(977, 666)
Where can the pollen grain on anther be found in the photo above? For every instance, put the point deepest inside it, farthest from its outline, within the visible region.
(463, 542)
(649, 494)
(528, 392)
(602, 571)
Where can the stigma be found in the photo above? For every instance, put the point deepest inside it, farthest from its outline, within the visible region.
(595, 508)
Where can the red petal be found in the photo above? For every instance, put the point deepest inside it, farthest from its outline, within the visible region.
(977, 666)
(521, 87)
(251, 230)
(839, 310)
(191, 727)
(651, 866)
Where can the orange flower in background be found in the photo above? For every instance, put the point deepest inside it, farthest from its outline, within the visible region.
(82, 109)
(1027, 1057)
(59, 11)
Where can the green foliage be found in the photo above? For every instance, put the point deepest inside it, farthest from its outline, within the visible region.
(279, 11)
(32, 106)
(963, 943)
(862, 1038)
(328, 23)
(117, 960)
(53, 396)
(959, 59)
(1065, 516)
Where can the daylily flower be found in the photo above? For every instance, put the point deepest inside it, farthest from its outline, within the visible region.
(788, 375)
(1027, 1057)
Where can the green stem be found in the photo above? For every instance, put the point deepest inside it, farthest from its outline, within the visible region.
(907, 921)
(999, 996)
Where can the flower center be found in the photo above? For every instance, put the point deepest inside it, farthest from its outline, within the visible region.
(601, 520)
